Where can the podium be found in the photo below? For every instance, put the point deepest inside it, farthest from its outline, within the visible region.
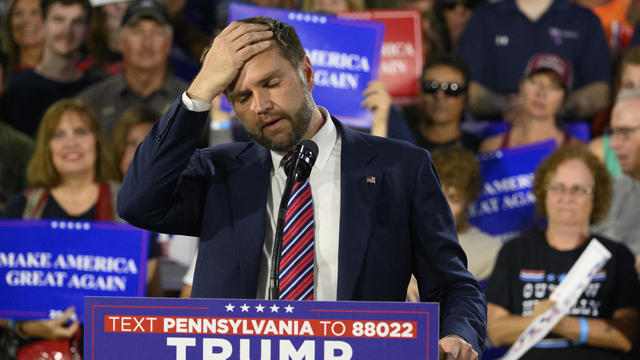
(211, 329)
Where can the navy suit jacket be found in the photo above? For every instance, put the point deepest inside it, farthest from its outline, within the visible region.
(399, 225)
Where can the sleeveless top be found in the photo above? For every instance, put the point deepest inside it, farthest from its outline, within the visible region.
(505, 139)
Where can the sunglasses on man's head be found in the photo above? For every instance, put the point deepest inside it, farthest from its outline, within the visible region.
(450, 88)
(452, 4)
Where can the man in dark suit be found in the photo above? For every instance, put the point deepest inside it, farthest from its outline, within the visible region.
(379, 214)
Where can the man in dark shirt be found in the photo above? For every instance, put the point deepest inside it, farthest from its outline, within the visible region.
(30, 93)
(145, 42)
(502, 36)
(435, 120)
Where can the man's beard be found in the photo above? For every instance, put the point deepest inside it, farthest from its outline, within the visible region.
(299, 126)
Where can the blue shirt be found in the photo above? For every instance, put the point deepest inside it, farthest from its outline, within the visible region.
(499, 40)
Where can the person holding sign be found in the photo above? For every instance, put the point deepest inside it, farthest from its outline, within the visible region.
(542, 92)
(573, 190)
(68, 180)
(374, 212)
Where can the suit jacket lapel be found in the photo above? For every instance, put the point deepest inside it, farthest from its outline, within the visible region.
(248, 185)
(360, 184)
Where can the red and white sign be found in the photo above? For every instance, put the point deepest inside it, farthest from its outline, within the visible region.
(402, 59)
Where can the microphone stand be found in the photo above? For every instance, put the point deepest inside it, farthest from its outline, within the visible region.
(274, 281)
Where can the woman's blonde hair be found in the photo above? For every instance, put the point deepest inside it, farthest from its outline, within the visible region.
(41, 171)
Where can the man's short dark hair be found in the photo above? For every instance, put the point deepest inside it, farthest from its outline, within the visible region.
(284, 35)
(452, 62)
(46, 4)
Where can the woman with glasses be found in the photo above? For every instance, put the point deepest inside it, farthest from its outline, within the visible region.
(572, 190)
(541, 95)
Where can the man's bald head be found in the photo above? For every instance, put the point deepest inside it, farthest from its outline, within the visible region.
(625, 131)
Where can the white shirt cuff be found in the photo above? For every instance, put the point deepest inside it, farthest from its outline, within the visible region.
(193, 104)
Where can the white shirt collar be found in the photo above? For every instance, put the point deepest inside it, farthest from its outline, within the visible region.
(325, 138)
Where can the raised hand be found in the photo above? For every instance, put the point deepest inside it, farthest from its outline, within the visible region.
(377, 99)
(230, 50)
(51, 329)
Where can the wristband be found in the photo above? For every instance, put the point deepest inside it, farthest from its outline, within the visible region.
(584, 330)
(12, 324)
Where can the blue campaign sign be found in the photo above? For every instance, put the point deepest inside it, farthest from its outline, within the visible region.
(49, 265)
(164, 328)
(345, 55)
(505, 207)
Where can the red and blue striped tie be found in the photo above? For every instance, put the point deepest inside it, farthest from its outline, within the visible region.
(296, 264)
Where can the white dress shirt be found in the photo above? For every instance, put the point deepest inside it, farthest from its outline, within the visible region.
(325, 192)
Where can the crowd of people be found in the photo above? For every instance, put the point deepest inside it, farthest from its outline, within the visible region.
(83, 82)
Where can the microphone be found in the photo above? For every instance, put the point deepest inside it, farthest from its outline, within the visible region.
(297, 168)
(301, 161)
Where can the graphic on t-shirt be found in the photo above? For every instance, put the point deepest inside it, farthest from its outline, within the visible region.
(538, 285)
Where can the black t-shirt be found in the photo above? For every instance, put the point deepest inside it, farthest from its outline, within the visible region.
(528, 269)
(52, 210)
(28, 95)
(466, 140)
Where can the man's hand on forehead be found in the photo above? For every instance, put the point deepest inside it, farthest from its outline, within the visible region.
(236, 44)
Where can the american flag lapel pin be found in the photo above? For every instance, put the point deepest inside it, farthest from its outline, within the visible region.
(370, 180)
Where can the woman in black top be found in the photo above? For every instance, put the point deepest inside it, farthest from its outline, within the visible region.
(572, 189)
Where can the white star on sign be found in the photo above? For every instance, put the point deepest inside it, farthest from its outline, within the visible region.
(244, 308)
(230, 307)
(274, 308)
(260, 308)
(289, 309)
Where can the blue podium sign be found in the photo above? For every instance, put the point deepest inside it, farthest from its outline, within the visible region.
(49, 265)
(345, 55)
(505, 207)
(136, 328)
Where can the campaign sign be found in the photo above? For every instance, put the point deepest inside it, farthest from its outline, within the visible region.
(49, 265)
(402, 60)
(208, 329)
(505, 207)
(344, 53)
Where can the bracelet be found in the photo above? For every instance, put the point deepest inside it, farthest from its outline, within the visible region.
(584, 330)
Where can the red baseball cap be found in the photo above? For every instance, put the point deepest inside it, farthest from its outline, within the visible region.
(550, 62)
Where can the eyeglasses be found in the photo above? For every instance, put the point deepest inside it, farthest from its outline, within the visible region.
(450, 88)
(574, 190)
(452, 4)
(622, 132)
